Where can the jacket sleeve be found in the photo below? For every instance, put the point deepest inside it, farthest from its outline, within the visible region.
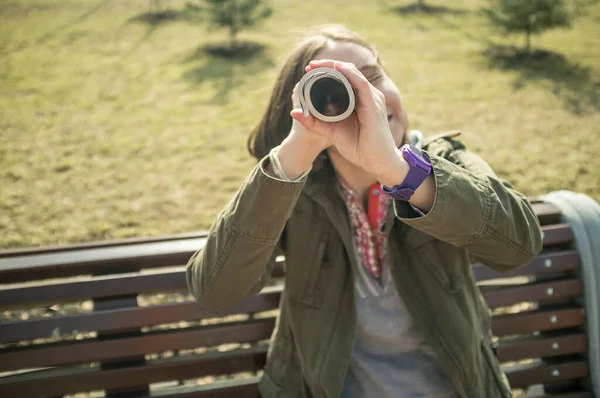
(475, 210)
(243, 241)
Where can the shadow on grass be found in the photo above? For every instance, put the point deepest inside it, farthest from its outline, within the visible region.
(426, 9)
(153, 19)
(44, 38)
(153, 22)
(55, 31)
(572, 83)
(465, 30)
(118, 66)
(157, 16)
(240, 51)
(226, 67)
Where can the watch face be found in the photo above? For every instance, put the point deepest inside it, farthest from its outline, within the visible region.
(416, 157)
(416, 151)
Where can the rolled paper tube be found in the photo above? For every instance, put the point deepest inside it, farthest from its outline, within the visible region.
(326, 94)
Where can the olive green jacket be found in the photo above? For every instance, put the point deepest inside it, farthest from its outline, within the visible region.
(475, 214)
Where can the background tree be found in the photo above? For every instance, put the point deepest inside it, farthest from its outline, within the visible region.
(236, 15)
(528, 17)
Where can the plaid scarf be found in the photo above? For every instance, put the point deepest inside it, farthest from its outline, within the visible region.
(369, 239)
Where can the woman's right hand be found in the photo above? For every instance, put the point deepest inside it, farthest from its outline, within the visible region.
(319, 142)
(301, 147)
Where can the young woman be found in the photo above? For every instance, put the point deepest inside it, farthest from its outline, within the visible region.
(379, 297)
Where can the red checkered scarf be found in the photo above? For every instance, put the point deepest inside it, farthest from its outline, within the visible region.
(369, 240)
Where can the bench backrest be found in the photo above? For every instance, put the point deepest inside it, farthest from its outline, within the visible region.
(117, 317)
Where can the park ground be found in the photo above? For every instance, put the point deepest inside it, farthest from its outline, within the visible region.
(114, 124)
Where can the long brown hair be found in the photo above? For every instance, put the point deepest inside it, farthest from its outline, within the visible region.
(276, 122)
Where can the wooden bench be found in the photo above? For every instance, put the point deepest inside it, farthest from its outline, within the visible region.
(116, 317)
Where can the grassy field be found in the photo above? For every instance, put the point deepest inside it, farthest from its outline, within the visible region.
(113, 125)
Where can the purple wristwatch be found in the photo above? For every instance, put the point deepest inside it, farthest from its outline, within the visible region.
(420, 168)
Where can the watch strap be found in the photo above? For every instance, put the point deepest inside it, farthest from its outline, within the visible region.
(418, 172)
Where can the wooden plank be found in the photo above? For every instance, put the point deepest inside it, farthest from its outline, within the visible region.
(542, 347)
(536, 292)
(69, 380)
(557, 234)
(238, 388)
(547, 213)
(537, 321)
(130, 318)
(546, 262)
(82, 288)
(69, 353)
(101, 244)
(560, 387)
(547, 373)
(94, 260)
(278, 271)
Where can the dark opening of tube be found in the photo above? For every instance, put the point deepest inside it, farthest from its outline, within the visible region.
(329, 97)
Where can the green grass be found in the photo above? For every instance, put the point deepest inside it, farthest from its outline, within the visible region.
(111, 126)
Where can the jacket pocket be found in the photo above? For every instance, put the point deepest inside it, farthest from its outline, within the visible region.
(496, 383)
(316, 275)
(442, 265)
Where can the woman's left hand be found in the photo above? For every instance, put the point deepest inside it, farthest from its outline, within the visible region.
(364, 138)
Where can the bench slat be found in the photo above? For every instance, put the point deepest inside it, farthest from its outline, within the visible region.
(69, 353)
(130, 318)
(546, 213)
(503, 296)
(124, 257)
(545, 262)
(542, 347)
(85, 288)
(61, 381)
(528, 322)
(102, 244)
(557, 234)
(547, 373)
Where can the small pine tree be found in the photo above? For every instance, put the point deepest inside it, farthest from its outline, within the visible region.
(529, 17)
(236, 15)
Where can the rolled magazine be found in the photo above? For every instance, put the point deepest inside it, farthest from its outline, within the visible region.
(326, 94)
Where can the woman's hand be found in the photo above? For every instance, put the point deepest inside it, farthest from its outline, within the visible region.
(364, 138)
(299, 133)
(301, 147)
